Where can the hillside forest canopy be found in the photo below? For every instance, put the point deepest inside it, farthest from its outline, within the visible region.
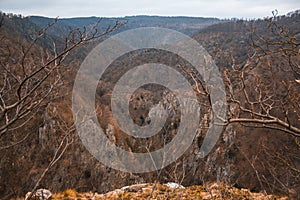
(259, 62)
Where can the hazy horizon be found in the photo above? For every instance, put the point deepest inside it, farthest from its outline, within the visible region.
(167, 8)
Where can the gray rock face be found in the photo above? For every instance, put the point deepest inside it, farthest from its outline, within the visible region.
(40, 194)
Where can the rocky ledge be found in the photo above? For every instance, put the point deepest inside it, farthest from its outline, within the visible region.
(170, 191)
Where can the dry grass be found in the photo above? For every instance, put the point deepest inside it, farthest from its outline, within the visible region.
(160, 192)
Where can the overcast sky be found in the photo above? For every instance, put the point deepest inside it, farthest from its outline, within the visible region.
(119, 8)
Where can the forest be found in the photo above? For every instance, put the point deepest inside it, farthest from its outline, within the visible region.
(257, 151)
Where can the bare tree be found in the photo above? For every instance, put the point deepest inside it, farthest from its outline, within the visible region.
(32, 72)
(263, 94)
(31, 75)
(265, 91)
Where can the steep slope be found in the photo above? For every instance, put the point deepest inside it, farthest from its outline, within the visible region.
(258, 156)
(240, 155)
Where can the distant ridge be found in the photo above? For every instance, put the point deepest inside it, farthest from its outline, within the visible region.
(187, 25)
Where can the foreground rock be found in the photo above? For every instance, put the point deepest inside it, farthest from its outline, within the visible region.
(40, 194)
(168, 191)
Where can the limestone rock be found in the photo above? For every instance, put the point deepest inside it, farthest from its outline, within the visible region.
(40, 194)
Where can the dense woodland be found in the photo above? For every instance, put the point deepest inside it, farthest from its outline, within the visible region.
(259, 61)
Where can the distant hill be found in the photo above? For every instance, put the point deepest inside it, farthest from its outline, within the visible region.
(187, 25)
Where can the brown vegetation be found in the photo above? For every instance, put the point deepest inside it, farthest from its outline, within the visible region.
(259, 148)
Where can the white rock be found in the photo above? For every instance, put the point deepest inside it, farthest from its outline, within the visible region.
(173, 185)
(125, 188)
(40, 194)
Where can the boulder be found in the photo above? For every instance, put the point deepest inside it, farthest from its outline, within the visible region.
(40, 194)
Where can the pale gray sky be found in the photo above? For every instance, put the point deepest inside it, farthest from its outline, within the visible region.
(119, 8)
